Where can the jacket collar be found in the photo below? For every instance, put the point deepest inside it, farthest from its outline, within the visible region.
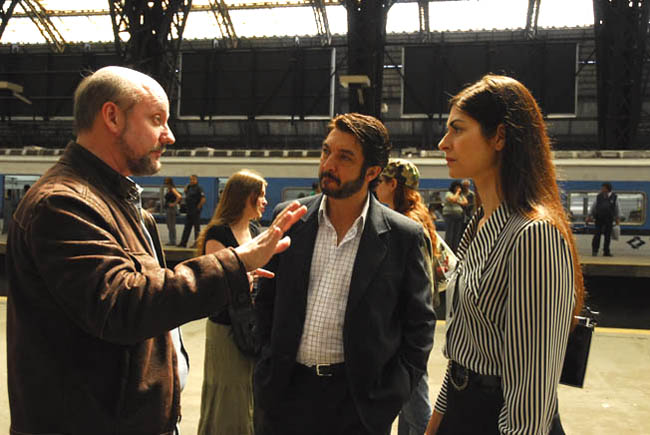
(93, 168)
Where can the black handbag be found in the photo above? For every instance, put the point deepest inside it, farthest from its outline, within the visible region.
(577, 350)
(243, 318)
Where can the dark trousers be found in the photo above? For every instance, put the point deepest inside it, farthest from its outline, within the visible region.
(604, 227)
(454, 227)
(193, 219)
(475, 408)
(312, 405)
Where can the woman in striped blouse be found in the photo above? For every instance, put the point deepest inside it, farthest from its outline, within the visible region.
(518, 282)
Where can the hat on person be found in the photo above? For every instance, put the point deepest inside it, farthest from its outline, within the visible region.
(404, 171)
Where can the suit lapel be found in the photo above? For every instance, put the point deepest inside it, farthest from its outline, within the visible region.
(303, 239)
(372, 250)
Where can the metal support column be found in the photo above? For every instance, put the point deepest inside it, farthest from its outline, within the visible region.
(366, 40)
(155, 31)
(621, 28)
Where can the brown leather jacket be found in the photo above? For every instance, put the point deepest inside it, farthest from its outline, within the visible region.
(89, 307)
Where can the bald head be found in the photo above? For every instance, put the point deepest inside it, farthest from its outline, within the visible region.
(123, 86)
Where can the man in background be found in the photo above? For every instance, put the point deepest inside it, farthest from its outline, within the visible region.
(194, 200)
(605, 212)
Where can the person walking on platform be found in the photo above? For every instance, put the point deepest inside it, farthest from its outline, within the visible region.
(194, 200)
(398, 189)
(172, 199)
(605, 212)
(227, 393)
(93, 345)
(344, 355)
(518, 282)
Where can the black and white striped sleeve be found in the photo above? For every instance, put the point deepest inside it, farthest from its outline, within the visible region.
(538, 316)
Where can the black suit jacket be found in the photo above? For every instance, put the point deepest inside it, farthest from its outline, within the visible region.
(389, 320)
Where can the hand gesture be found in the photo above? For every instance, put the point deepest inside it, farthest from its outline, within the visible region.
(258, 251)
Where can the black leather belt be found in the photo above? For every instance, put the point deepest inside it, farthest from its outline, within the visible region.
(460, 377)
(324, 370)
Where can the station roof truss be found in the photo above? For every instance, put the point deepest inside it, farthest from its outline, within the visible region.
(230, 29)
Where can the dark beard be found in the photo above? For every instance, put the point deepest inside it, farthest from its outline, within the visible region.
(345, 190)
(143, 166)
(138, 167)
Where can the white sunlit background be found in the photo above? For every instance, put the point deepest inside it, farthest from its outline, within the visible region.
(299, 21)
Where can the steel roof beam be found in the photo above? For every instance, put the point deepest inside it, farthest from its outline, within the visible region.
(423, 10)
(226, 27)
(531, 18)
(322, 25)
(5, 15)
(39, 16)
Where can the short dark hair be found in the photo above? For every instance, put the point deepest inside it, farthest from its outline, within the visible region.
(97, 89)
(455, 185)
(371, 134)
(607, 186)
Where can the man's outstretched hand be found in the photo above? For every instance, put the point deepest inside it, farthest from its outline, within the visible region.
(258, 251)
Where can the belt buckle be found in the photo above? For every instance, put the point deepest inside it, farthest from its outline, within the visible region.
(318, 368)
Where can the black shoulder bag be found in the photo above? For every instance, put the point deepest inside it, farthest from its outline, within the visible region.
(577, 350)
(244, 322)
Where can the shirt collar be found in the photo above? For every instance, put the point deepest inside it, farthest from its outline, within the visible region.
(361, 220)
(490, 230)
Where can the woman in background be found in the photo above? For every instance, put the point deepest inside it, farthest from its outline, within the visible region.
(172, 199)
(398, 189)
(518, 282)
(227, 393)
(453, 212)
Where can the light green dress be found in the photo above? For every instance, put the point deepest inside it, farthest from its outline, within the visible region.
(227, 393)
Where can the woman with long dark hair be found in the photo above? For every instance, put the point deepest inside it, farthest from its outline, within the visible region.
(227, 393)
(398, 189)
(518, 282)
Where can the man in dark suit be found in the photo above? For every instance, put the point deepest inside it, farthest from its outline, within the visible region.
(347, 324)
(605, 212)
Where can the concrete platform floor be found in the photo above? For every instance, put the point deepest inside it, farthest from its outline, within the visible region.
(615, 400)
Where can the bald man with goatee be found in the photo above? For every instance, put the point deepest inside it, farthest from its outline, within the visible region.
(93, 345)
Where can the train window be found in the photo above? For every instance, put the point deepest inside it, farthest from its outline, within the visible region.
(631, 206)
(152, 199)
(579, 203)
(291, 193)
